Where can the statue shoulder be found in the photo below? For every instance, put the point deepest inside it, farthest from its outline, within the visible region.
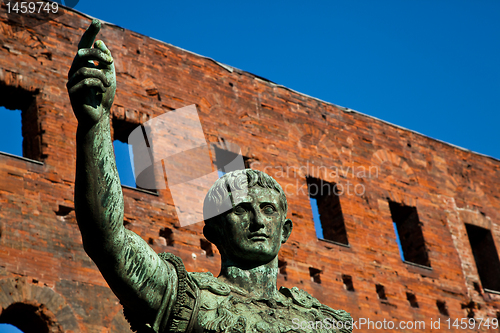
(340, 316)
(304, 299)
(178, 314)
(207, 281)
(300, 297)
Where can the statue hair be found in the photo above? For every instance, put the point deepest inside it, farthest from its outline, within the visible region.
(219, 198)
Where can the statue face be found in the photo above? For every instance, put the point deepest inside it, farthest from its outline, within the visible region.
(256, 227)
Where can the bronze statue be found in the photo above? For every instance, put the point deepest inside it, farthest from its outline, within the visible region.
(157, 293)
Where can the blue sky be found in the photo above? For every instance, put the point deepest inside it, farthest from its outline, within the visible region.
(430, 66)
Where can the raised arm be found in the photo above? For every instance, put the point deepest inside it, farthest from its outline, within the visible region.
(132, 269)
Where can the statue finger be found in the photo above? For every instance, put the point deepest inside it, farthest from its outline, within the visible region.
(84, 73)
(77, 64)
(84, 55)
(86, 84)
(99, 44)
(85, 59)
(89, 35)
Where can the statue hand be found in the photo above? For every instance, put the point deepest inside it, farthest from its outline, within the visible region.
(91, 78)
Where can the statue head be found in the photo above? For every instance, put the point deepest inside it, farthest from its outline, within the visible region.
(245, 216)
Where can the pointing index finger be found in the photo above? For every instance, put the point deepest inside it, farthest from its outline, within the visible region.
(90, 34)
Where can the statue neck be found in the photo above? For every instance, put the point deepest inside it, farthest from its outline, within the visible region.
(258, 281)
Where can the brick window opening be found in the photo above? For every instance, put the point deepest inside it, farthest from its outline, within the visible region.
(327, 213)
(380, 291)
(441, 305)
(485, 255)
(27, 318)
(125, 156)
(282, 268)
(168, 234)
(207, 247)
(315, 275)
(409, 234)
(227, 160)
(11, 137)
(412, 299)
(347, 279)
(20, 130)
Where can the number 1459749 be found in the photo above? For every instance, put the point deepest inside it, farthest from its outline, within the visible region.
(472, 323)
(32, 7)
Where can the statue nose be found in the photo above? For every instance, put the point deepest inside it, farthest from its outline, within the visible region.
(258, 219)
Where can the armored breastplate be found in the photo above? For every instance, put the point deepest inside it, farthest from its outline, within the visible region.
(200, 303)
(225, 308)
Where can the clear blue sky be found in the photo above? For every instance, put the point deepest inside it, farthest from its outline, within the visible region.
(430, 66)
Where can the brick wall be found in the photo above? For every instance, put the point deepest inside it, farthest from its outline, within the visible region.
(288, 135)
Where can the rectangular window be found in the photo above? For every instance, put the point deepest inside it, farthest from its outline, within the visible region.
(485, 255)
(401, 255)
(227, 161)
(125, 156)
(246, 162)
(20, 132)
(409, 233)
(11, 137)
(327, 213)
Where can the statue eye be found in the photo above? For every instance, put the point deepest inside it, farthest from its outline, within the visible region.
(269, 209)
(239, 210)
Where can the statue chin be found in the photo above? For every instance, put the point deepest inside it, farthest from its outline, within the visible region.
(257, 254)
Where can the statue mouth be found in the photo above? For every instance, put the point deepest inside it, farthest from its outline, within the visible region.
(258, 236)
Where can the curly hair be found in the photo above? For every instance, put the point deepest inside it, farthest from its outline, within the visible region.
(219, 198)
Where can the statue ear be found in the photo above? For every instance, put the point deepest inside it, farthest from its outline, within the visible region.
(286, 231)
